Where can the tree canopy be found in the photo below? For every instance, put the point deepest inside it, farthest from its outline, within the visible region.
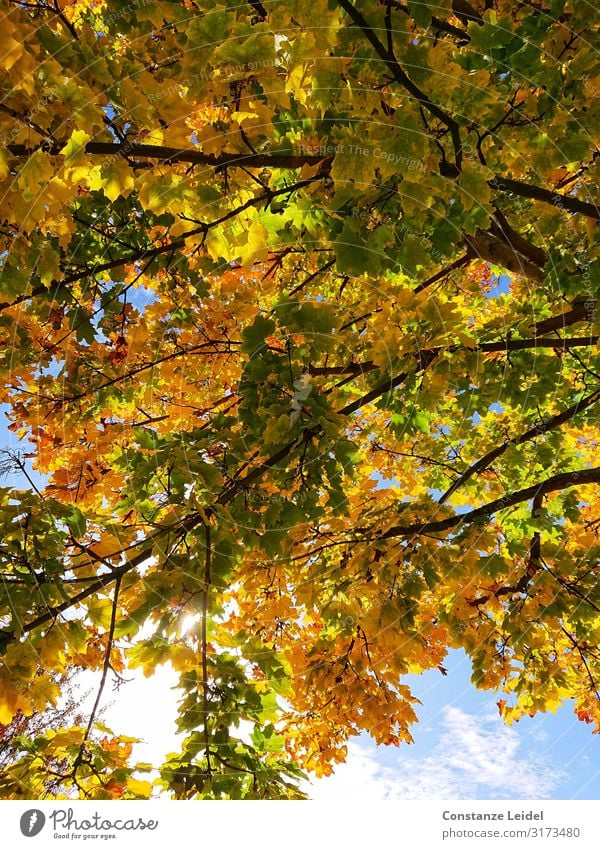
(299, 324)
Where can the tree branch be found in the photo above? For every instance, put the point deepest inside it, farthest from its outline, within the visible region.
(194, 349)
(581, 311)
(404, 80)
(170, 155)
(488, 246)
(458, 263)
(556, 199)
(106, 665)
(553, 484)
(438, 24)
(52, 612)
(237, 486)
(532, 433)
(524, 344)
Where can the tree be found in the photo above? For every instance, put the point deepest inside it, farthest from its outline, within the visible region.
(301, 322)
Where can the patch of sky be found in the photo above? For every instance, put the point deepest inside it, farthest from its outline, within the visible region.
(10, 443)
(500, 285)
(493, 408)
(53, 368)
(453, 451)
(141, 297)
(111, 114)
(383, 482)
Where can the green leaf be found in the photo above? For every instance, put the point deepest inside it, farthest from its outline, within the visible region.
(77, 522)
(255, 335)
(421, 13)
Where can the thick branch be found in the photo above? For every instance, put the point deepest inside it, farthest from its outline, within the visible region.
(438, 24)
(500, 227)
(206, 348)
(560, 201)
(259, 9)
(168, 155)
(553, 484)
(458, 263)
(524, 344)
(581, 311)
(427, 355)
(55, 611)
(488, 246)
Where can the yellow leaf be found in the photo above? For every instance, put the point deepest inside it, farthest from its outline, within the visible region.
(10, 50)
(277, 431)
(155, 137)
(99, 612)
(182, 658)
(475, 188)
(591, 227)
(139, 788)
(255, 247)
(7, 712)
(12, 700)
(75, 146)
(36, 172)
(43, 691)
(113, 179)
(48, 265)
(218, 246)
(4, 169)
(295, 84)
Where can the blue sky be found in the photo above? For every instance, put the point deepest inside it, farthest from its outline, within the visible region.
(463, 750)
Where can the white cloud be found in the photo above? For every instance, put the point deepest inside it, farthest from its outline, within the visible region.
(476, 756)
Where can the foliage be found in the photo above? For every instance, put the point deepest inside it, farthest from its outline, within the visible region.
(301, 432)
(22, 730)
